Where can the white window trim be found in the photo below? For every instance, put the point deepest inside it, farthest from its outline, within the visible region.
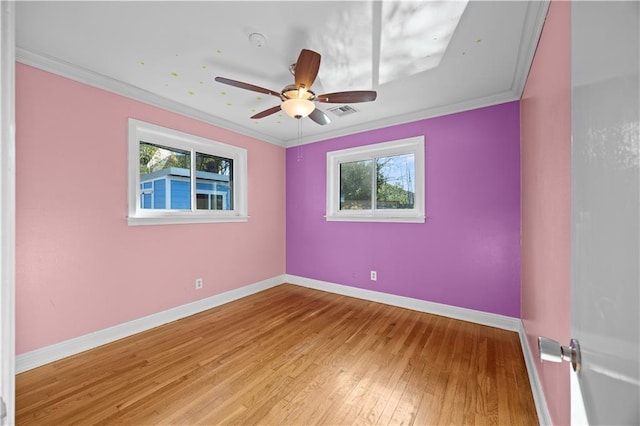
(140, 131)
(413, 145)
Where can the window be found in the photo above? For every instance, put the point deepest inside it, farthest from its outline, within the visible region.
(175, 177)
(377, 183)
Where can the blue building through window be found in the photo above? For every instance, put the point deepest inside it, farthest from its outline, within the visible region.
(170, 189)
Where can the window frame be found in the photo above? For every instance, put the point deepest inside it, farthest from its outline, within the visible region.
(413, 145)
(140, 131)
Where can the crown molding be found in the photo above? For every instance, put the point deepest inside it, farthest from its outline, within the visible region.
(100, 81)
(531, 31)
(500, 98)
(532, 28)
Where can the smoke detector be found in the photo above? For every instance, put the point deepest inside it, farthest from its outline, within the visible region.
(257, 39)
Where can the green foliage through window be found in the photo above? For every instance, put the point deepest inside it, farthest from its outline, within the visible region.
(394, 183)
(156, 157)
(355, 185)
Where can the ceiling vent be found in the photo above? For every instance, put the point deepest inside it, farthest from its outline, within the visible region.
(343, 110)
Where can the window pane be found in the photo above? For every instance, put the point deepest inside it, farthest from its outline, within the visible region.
(355, 185)
(214, 182)
(180, 194)
(395, 182)
(164, 169)
(203, 201)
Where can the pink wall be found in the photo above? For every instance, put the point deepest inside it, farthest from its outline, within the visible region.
(467, 254)
(80, 267)
(545, 111)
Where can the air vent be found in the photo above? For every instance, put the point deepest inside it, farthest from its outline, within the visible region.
(343, 110)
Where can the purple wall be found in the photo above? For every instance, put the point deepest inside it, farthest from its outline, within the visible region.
(466, 254)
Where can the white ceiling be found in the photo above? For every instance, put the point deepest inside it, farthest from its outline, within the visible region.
(168, 54)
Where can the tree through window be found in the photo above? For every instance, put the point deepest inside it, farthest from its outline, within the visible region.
(381, 182)
(175, 177)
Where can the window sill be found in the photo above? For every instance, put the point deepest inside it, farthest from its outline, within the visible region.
(136, 221)
(376, 218)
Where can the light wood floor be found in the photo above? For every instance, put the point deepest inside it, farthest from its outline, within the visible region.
(290, 355)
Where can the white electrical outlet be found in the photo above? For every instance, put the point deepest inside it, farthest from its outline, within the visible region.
(374, 276)
(199, 283)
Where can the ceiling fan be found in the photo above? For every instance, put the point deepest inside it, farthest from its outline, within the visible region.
(298, 99)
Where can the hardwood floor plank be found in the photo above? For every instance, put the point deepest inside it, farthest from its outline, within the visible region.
(289, 355)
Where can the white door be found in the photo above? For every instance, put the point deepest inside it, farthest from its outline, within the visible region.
(605, 192)
(7, 212)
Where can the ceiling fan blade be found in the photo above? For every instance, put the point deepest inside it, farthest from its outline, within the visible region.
(319, 117)
(267, 112)
(246, 86)
(307, 68)
(348, 97)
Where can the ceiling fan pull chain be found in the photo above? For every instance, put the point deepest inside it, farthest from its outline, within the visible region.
(299, 156)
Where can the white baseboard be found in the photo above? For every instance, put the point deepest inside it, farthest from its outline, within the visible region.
(534, 380)
(478, 317)
(464, 314)
(57, 351)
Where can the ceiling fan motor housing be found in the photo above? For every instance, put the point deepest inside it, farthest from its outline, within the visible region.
(290, 92)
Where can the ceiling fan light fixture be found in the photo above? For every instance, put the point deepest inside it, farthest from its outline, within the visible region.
(298, 108)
